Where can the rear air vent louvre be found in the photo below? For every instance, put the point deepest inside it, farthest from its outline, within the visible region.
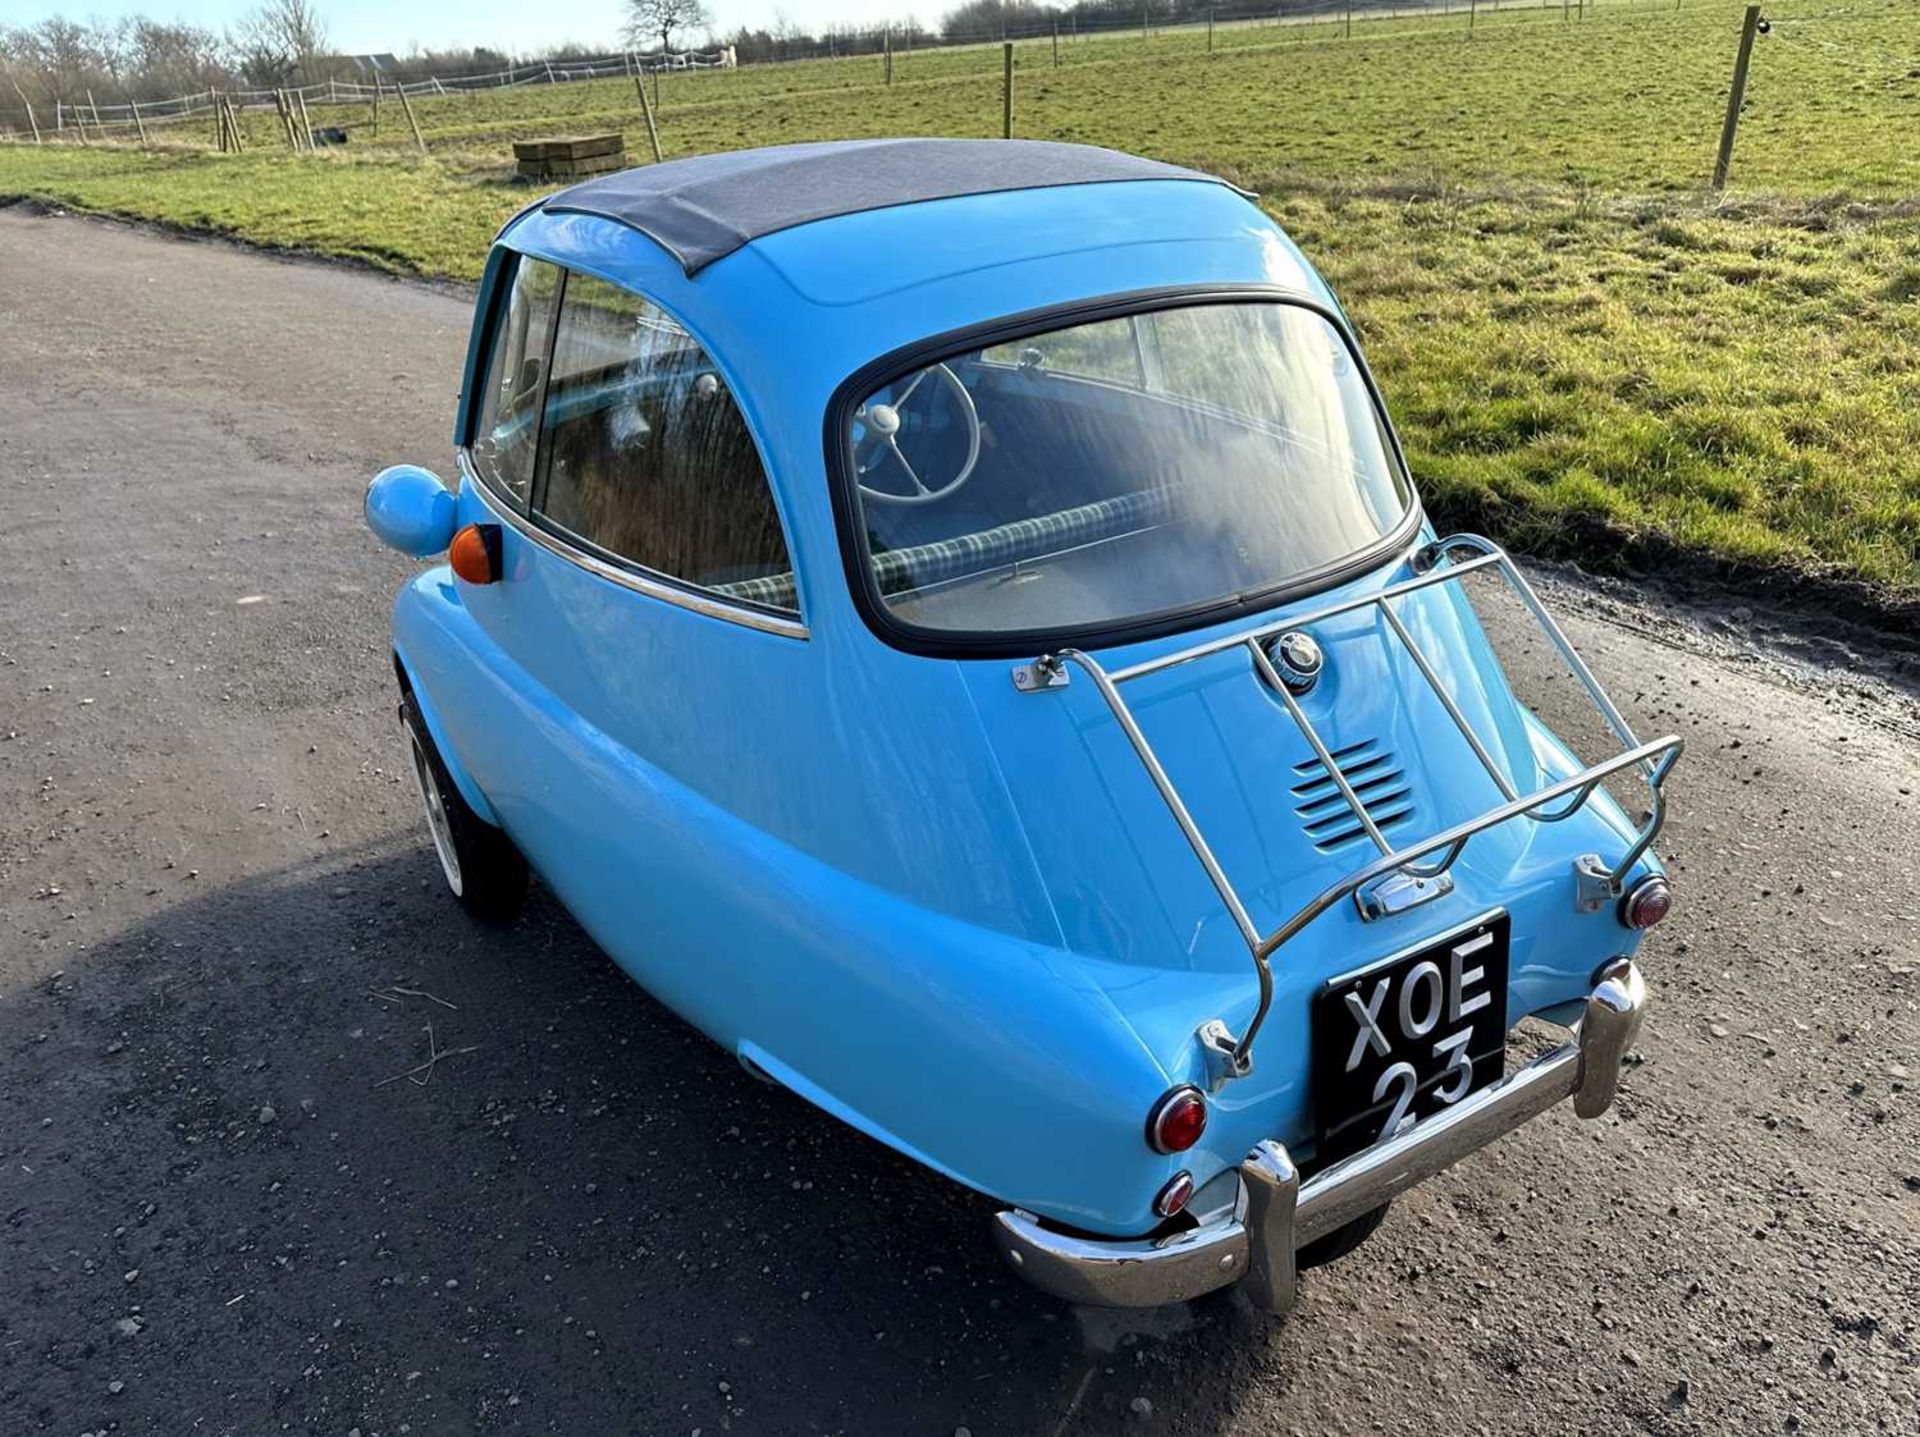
(1375, 778)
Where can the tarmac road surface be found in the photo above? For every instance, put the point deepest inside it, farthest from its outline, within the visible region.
(220, 918)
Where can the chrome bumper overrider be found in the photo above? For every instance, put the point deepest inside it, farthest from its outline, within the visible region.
(1277, 1214)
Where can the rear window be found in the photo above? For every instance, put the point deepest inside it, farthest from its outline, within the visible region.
(1105, 473)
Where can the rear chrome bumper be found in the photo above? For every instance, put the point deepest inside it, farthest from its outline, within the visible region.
(1277, 1214)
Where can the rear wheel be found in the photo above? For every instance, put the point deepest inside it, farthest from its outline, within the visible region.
(1341, 1241)
(482, 867)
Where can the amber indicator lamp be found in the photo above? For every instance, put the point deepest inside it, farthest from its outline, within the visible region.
(475, 553)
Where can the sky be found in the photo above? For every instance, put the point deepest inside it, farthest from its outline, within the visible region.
(365, 26)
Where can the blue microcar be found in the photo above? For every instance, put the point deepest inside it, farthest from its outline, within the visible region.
(951, 618)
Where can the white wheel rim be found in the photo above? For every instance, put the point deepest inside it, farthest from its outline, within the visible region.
(438, 823)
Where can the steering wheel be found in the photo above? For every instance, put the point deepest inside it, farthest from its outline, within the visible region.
(883, 423)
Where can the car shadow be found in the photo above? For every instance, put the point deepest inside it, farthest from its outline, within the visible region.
(240, 1186)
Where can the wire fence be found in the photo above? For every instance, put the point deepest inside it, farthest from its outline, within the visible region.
(71, 118)
(338, 92)
(127, 120)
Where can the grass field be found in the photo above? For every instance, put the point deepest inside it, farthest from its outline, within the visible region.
(1581, 348)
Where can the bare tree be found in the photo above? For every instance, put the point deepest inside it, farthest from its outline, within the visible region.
(1002, 17)
(66, 57)
(282, 40)
(648, 18)
(162, 59)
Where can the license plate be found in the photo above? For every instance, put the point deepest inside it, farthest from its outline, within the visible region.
(1408, 1037)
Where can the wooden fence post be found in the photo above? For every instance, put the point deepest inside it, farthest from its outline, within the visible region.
(889, 44)
(376, 105)
(1749, 27)
(138, 123)
(27, 105)
(219, 123)
(306, 122)
(1006, 90)
(1349, 34)
(646, 109)
(1056, 42)
(1209, 29)
(412, 123)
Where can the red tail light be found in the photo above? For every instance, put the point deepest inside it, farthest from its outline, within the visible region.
(1177, 1120)
(1647, 902)
(1175, 1195)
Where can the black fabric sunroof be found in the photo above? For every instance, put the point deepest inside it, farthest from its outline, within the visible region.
(703, 209)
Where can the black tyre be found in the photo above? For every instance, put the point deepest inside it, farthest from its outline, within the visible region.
(1341, 1241)
(482, 867)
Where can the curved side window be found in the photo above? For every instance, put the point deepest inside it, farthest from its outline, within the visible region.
(504, 440)
(646, 457)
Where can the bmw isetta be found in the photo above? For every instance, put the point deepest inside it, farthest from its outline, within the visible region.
(951, 618)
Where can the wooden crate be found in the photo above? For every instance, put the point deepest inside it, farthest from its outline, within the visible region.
(569, 158)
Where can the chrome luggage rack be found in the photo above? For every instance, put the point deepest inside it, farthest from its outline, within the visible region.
(1395, 880)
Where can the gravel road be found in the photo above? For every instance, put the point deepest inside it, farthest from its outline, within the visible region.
(222, 935)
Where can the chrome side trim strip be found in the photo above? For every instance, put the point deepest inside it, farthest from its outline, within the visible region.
(668, 593)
